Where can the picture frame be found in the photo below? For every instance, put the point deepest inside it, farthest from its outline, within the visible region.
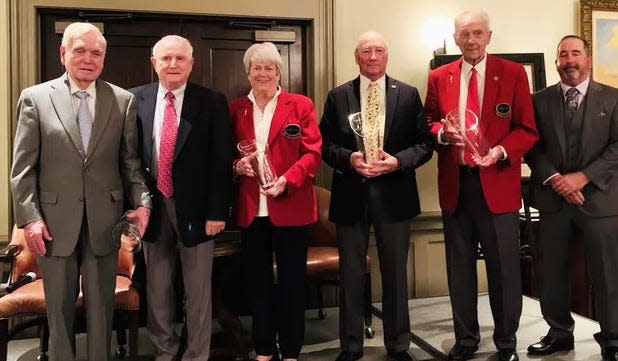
(597, 20)
(534, 64)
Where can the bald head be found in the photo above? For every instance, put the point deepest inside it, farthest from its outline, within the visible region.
(472, 35)
(371, 55)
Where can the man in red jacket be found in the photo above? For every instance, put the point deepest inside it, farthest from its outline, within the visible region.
(480, 195)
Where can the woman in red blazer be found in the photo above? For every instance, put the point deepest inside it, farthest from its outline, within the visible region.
(275, 217)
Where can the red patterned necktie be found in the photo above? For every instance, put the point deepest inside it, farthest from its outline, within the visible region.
(472, 103)
(167, 142)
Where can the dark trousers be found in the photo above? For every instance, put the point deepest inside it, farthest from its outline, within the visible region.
(498, 235)
(281, 312)
(600, 237)
(393, 243)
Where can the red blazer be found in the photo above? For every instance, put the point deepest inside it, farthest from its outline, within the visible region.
(507, 119)
(296, 158)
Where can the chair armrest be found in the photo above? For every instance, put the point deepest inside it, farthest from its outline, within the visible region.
(8, 252)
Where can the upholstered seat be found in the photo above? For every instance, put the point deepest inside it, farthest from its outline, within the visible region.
(29, 299)
(323, 257)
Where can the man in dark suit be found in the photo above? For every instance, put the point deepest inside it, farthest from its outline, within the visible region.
(75, 160)
(575, 187)
(480, 195)
(380, 192)
(186, 144)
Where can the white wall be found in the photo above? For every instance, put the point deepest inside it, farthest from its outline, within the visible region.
(522, 26)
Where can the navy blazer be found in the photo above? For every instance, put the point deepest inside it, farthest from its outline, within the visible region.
(202, 167)
(406, 136)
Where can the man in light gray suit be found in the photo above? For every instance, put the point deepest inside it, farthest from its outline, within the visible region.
(575, 187)
(74, 158)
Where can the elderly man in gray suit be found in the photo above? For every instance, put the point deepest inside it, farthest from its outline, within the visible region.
(75, 156)
(575, 184)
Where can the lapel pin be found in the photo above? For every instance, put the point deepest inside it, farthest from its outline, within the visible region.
(602, 114)
(393, 86)
(245, 112)
(450, 79)
(495, 78)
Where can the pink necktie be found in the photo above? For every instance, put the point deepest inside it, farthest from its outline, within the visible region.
(167, 143)
(472, 103)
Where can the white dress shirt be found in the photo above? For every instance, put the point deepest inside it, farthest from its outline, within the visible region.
(92, 96)
(261, 126)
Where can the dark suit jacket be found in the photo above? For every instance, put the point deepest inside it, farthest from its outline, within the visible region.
(506, 85)
(53, 180)
(406, 136)
(201, 172)
(599, 149)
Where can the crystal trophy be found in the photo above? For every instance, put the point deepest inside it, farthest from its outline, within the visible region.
(260, 162)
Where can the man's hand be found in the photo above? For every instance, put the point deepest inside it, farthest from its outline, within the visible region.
(35, 233)
(385, 165)
(489, 159)
(564, 184)
(276, 189)
(214, 227)
(243, 166)
(576, 198)
(142, 214)
(357, 161)
(450, 135)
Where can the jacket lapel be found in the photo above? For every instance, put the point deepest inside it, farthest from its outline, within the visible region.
(189, 111)
(62, 102)
(392, 94)
(353, 95)
(283, 108)
(102, 113)
(149, 100)
(493, 78)
(451, 87)
(593, 107)
(555, 102)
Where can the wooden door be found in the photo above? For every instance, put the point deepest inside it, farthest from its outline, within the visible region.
(218, 48)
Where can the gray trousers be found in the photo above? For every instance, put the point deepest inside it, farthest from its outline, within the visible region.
(160, 256)
(61, 287)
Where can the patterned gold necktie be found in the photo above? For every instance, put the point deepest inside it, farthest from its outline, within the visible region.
(372, 130)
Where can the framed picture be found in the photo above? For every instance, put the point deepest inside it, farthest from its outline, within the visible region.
(598, 19)
(534, 64)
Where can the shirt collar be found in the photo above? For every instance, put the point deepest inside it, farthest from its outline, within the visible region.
(582, 87)
(73, 88)
(275, 97)
(177, 92)
(364, 82)
(480, 67)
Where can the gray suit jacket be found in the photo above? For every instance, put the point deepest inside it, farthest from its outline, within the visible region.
(599, 149)
(53, 180)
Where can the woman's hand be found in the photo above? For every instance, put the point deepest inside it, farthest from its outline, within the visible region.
(243, 166)
(276, 189)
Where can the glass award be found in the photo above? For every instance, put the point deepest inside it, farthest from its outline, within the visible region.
(468, 128)
(126, 233)
(260, 162)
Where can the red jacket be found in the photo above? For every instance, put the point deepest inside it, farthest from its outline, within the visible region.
(296, 158)
(513, 127)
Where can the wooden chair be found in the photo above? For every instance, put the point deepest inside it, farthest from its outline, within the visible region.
(323, 258)
(29, 300)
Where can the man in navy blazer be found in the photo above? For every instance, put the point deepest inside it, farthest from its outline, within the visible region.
(381, 194)
(186, 145)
